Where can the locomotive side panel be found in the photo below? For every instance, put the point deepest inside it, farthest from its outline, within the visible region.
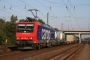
(45, 35)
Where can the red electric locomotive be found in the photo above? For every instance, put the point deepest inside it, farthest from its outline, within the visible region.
(26, 33)
(32, 34)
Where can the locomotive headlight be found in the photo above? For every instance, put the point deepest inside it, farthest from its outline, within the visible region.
(30, 38)
(18, 37)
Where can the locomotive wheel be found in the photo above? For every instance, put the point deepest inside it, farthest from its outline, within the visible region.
(35, 48)
(38, 47)
(50, 45)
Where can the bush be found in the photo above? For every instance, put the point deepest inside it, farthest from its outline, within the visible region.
(2, 37)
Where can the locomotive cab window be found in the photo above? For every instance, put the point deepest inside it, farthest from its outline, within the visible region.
(25, 27)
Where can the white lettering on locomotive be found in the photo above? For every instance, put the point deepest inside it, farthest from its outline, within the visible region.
(46, 34)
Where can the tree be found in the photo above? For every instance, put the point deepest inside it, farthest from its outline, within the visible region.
(2, 22)
(7, 30)
(14, 19)
(22, 20)
(2, 34)
(10, 32)
(10, 28)
(2, 37)
(41, 21)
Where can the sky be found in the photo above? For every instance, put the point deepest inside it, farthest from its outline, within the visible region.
(63, 14)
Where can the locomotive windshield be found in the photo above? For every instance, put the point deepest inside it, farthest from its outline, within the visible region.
(25, 27)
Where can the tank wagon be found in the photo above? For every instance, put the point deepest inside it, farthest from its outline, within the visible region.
(62, 37)
(32, 34)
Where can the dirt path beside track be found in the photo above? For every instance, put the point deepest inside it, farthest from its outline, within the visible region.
(82, 54)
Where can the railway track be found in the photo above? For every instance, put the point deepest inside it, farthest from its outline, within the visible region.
(42, 54)
(66, 55)
(62, 54)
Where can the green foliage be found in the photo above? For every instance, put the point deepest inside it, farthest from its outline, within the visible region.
(75, 37)
(7, 30)
(10, 31)
(2, 34)
(14, 19)
(22, 20)
(41, 21)
(2, 37)
(2, 22)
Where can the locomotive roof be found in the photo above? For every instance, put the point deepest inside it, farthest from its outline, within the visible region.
(29, 20)
(32, 20)
(29, 23)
